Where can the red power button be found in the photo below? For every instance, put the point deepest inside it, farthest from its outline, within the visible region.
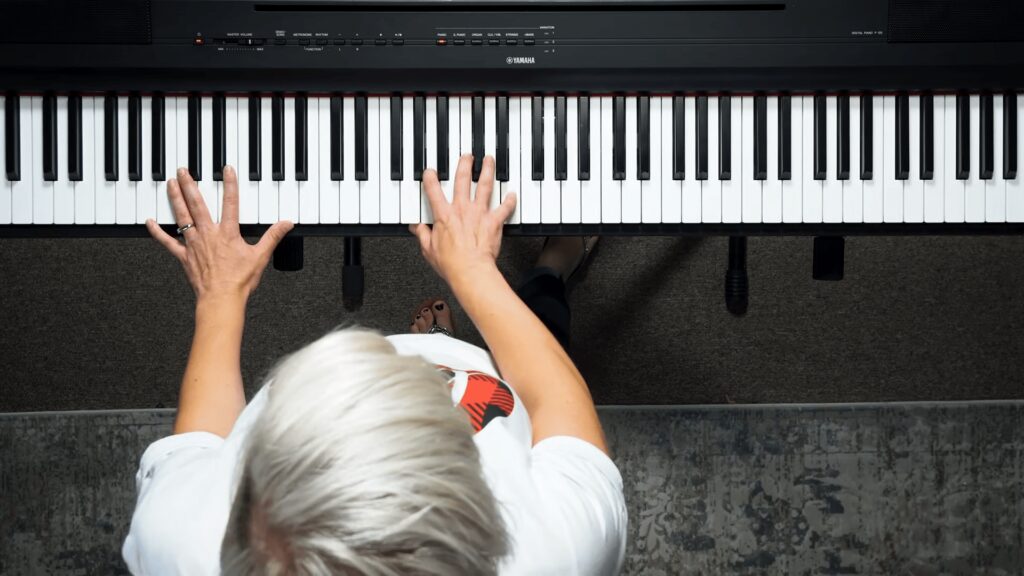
(442, 41)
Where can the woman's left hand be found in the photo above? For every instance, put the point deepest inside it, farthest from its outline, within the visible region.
(217, 260)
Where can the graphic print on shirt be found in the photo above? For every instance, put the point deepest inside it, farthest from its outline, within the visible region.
(485, 399)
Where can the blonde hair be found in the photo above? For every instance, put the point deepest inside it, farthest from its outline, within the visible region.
(360, 464)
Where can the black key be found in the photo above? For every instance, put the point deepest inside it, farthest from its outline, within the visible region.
(220, 142)
(419, 137)
(643, 138)
(820, 145)
(987, 138)
(619, 138)
(301, 137)
(537, 124)
(963, 136)
(478, 128)
(442, 138)
(843, 137)
(501, 139)
(110, 137)
(902, 136)
(12, 122)
(678, 137)
(336, 127)
(134, 137)
(49, 137)
(561, 129)
(725, 138)
(362, 136)
(760, 137)
(195, 137)
(702, 138)
(785, 137)
(255, 138)
(1009, 136)
(396, 138)
(583, 117)
(867, 134)
(927, 137)
(158, 135)
(75, 137)
(277, 137)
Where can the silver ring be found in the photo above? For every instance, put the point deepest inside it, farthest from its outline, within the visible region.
(183, 229)
(435, 329)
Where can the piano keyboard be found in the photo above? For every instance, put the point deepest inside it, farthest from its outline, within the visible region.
(609, 159)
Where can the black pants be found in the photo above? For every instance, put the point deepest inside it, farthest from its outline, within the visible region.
(543, 292)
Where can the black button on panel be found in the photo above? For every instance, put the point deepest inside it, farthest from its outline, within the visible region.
(529, 42)
(303, 41)
(321, 41)
(398, 42)
(380, 42)
(357, 41)
(511, 42)
(477, 42)
(339, 41)
(459, 42)
(494, 42)
(280, 41)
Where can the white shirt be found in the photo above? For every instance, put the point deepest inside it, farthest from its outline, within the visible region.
(561, 500)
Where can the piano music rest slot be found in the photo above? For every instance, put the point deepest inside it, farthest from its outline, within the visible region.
(737, 285)
(352, 273)
(288, 254)
(829, 258)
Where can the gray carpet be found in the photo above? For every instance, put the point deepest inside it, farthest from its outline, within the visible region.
(103, 323)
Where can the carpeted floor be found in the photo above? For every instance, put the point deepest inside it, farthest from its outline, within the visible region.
(104, 324)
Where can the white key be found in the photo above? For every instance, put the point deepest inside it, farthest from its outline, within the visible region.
(631, 185)
(550, 189)
(269, 188)
(792, 189)
(1015, 188)
(369, 191)
(349, 187)
(913, 187)
(812, 188)
(106, 190)
(771, 187)
(611, 189)
(892, 189)
(650, 190)
(515, 154)
(531, 189)
(232, 144)
(831, 186)
(126, 191)
(953, 188)
(691, 187)
(288, 201)
(732, 189)
(454, 145)
(466, 134)
(63, 188)
(21, 190)
(671, 190)
(85, 190)
(426, 213)
(571, 195)
(328, 191)
(490, 141)
(974, 186)
(145, 201)
(390, 190)
(752, 189)
(309, 190)
(164, 213)
(874, 189)
(248, 190)
(5, 185)
(933, 194)
(410, 201)
(711, 189)
(208, 187)
(590, 190)
(995, 188)
(42, 191)
(853, 192)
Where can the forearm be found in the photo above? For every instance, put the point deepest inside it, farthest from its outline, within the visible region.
(211, 391)
(530, 358)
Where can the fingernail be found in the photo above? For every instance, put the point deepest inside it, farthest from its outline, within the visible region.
(439, 306)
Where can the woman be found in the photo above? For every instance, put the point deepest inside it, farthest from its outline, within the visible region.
(411, 454)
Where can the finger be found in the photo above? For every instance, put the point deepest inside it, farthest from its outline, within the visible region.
(273, 236)
(194, 199)
(178, 206)
(164, 239)
(438, 203)
(229, 213)
(422, 232)
(485, 185)
(506, 208)
(463, 179)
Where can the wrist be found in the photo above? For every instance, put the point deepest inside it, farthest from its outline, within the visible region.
(221, 302)
(468, 278)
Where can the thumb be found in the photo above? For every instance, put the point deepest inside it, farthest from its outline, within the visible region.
(273, 236)
(422, 232)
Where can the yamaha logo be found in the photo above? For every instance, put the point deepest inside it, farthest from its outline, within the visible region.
(520, 60)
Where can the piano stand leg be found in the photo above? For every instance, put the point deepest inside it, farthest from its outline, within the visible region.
(352, 272)
(829, 258)
(737, 287)
(288, 254)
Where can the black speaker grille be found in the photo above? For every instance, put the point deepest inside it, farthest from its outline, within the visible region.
(76, 21)
(956, 20)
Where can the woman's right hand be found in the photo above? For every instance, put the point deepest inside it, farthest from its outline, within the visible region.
(466, 236)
